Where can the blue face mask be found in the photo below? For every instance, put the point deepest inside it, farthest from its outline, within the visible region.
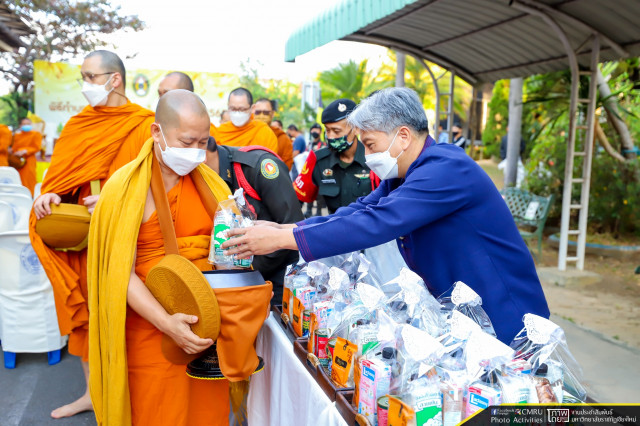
(26, 127)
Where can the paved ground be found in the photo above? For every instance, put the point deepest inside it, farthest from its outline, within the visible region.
(29, 392)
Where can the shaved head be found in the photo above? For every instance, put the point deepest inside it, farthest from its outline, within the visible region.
(180, 105)
(175, 80)
(110, 62)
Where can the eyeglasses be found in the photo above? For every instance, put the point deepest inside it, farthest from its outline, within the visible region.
(261, 112)
(235, 109)
(89, 77)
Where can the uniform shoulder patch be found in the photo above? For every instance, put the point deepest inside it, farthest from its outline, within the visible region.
(269, 169)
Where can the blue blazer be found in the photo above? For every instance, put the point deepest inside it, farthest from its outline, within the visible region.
(451, 224)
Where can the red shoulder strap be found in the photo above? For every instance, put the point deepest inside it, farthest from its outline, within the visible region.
(258, 147)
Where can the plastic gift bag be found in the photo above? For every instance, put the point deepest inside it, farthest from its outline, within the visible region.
(464, 299)
(231, 213)
(556, 374)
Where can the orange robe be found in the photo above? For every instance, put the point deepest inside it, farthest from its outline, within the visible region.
(161, 392)
(32, 143)
(285, 146)
(92, 146)
(5, 141)
(253, 133)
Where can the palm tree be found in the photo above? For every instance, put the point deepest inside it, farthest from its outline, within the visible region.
(349, 80)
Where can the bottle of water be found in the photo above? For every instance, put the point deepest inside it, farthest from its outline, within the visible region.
(222, 222)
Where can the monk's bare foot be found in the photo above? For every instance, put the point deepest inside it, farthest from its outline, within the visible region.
(80, 405)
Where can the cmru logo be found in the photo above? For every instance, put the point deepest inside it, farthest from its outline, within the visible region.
(557, 415)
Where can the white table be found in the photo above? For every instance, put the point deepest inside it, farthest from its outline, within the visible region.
(284, 393)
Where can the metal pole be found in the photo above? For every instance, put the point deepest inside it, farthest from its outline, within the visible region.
(588, 149)
(450, 106)
(400, 66)
(514, 133)
(436, 89)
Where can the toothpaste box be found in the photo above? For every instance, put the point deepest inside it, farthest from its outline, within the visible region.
(375, 379)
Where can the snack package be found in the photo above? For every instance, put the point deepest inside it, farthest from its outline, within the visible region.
(556, 374)
(468, 302)
(400, 413)
(231, 213)
(342, 363)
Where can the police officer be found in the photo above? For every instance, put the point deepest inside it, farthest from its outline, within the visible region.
(338, 172)
(268, 191)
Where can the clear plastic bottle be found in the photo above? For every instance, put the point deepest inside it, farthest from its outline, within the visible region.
(222, 222)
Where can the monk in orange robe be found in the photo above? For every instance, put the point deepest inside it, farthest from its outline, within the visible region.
(242, 130)
(5, 142)
(104, 136)
(26, 144)
(263, 110)
(126, 241)
(179, 80)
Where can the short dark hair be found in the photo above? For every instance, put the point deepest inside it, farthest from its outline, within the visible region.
(185, 81)
(278, 121)
(241, 91)
(273, 103)
(110, 62)
(293, 127)
(315, 126)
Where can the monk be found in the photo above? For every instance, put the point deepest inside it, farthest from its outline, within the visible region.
(242, 130)
(131, 381)
(179, 80)
(103, 137)
(263, 111)
(5, 141)
(26, 144)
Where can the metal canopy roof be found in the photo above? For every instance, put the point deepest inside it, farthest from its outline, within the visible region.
(482, 40)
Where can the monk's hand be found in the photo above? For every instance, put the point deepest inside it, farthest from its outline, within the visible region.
(42, 205)
(252, 241)
(178, 327)
(21, 152)
(90, 202)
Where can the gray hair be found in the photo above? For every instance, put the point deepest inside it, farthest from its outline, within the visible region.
(388, 109)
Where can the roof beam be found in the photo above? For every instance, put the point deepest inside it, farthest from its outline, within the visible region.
(461, 71)
(549, 9)
(393, 21)
(479, 30)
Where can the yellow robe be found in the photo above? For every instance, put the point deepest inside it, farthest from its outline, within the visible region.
(113, 238)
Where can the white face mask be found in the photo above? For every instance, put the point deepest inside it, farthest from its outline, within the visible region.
(96, 94)
(239, 118)
(382, 163)
(181, 160)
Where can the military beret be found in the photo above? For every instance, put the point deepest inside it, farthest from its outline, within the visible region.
(337, 110)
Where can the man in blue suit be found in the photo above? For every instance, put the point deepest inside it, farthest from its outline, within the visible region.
(449, 220)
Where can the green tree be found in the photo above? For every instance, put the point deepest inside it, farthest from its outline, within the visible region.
(63, 29)
(284, 93)
(349, 80)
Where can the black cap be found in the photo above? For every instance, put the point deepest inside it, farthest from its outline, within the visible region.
(389, 353)
(316, 126)
(337, 110)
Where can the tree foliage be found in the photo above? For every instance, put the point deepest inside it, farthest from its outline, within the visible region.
(62, 29)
